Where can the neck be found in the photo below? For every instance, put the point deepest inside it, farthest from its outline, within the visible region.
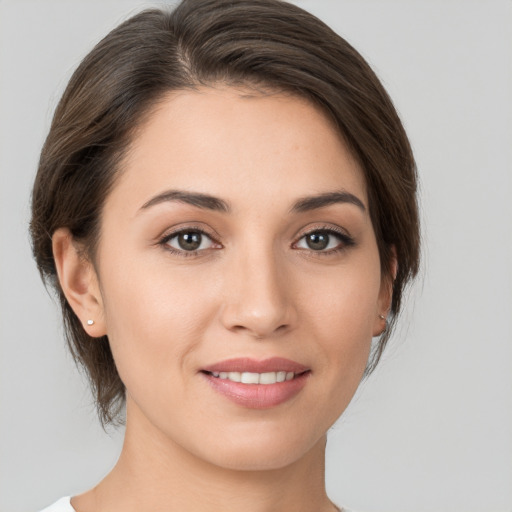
(153, 473)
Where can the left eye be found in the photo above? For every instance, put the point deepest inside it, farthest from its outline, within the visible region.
(320, 241)
(189, 241)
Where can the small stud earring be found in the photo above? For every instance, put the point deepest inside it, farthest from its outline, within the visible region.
(90, 322)
(382, 317)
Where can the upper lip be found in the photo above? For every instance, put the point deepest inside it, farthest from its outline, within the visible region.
(245, 364)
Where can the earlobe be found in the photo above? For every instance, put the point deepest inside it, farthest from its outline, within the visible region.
(386, 296)
(79, 282)
(383, 306)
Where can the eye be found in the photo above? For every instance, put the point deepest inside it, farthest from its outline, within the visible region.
(324, 240)
(190, 240)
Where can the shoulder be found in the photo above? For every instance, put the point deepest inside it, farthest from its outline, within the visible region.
(62, 505)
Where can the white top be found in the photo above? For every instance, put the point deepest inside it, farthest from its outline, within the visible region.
(64, 505)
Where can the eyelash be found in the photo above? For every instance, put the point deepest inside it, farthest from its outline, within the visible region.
(346, 241)
(164, 242)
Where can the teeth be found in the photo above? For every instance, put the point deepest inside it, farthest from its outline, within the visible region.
(234, 376)
(255, 378)
(268, 378)
(250, 378)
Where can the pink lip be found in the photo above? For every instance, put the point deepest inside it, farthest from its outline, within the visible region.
(257, 396)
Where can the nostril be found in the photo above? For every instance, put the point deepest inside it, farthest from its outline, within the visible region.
(260, 333)
(258, 317)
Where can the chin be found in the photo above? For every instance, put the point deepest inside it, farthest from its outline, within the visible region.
(250, 461)
(263, 451)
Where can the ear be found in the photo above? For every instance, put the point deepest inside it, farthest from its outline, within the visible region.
(79, 282)
(385, 295)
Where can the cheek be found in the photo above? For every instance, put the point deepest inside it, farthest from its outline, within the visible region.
(154, 318)
(343, 315)
(347, 302)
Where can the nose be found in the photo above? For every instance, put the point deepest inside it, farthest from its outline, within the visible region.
(259, 299)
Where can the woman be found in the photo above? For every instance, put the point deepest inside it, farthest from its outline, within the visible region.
(225, 204)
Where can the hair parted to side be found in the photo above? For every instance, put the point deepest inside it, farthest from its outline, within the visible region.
(266, 44)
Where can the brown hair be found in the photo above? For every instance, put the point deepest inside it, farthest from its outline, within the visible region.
(262, 43)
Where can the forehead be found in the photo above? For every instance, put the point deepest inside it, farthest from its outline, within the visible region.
(239, 145)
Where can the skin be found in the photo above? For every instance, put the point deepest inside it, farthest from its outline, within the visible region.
(253, 289)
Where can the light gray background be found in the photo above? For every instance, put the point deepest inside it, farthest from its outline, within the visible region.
(432, 429)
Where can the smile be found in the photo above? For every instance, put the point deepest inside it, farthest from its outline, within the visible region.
(257, 384)
(255, 378)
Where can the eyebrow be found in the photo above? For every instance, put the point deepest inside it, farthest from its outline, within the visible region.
(209, 202)
(204, 201)
(322, 200)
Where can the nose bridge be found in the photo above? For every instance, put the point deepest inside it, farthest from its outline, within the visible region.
(257, 295)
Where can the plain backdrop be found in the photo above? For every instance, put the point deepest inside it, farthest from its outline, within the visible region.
(431, 430)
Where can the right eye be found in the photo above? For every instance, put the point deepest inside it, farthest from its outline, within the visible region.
(188, 241)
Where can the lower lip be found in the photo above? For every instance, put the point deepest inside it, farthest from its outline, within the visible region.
(258, 396)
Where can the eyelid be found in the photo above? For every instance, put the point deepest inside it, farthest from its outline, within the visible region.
(188, 226)
(322, 227)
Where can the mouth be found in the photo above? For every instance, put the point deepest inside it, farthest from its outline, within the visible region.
(257, 384)
(265, 378)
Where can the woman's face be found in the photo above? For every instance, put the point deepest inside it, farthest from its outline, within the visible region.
(237, 245)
